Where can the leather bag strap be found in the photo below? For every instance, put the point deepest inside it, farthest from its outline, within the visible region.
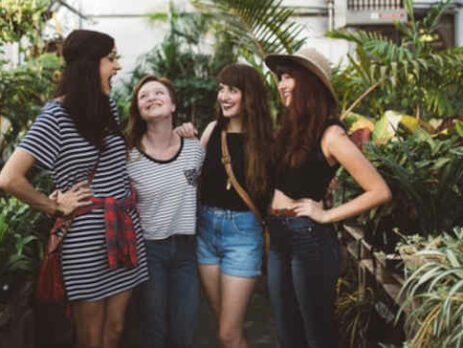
(226, 160)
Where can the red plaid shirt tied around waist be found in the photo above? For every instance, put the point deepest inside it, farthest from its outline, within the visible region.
(120, 231)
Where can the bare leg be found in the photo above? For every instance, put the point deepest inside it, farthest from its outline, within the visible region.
(210, 278)
(89, 318)
(235, 295)
(114, 320)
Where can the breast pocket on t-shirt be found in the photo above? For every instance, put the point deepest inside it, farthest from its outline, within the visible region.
(192, 176)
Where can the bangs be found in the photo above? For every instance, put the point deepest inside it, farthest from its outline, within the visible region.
(232, 76)
(283, 69)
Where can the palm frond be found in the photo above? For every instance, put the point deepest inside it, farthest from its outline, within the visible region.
(382, 49)
(431, 20)
(258, 26)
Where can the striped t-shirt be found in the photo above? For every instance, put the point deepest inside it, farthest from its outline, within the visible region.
(166, 190)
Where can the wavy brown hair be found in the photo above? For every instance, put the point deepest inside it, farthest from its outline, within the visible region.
(136, 126)
(304, 120)
(256, 123)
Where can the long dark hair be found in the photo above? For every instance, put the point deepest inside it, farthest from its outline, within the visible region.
(80, 85)
(304, 120)
(256, 123)
(136, 126)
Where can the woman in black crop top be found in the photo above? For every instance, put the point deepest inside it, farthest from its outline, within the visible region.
(304, 256)
(230, 239)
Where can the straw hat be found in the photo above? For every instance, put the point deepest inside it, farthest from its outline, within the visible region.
(310, 59)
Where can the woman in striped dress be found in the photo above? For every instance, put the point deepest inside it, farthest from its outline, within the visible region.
(74, 135)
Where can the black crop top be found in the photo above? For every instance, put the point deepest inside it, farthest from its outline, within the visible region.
(213, 188)
(311, 178)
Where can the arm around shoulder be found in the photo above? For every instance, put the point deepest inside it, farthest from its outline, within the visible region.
(207, 133)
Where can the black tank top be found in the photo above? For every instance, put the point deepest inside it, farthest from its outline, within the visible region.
(213, 188)
(311, 178)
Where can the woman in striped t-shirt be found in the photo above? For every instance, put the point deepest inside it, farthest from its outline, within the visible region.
(164, 169)
(72, 135)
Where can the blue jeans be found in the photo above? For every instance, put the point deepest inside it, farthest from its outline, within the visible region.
(169, 300)
(231, 239)
(303, 266)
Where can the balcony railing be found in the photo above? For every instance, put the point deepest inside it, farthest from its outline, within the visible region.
(369, 12)
(374, 5)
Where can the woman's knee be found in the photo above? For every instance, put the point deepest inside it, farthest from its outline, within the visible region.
(229, 335)
(114, 327)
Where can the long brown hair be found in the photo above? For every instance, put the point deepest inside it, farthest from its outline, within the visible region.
(80, 85)
(136, 126)
(305, 119)
(256, 123)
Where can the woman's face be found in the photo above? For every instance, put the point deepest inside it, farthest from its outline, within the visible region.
(109, 66)
(154, 101)
(229, 99)
(286, 86)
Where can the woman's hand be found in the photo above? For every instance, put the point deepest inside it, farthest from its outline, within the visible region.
(77, 196)
(310, 208)
(186, 130)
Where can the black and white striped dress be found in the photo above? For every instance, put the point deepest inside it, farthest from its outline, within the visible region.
(56, 145)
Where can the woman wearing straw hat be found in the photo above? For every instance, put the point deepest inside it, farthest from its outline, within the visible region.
(304, 255)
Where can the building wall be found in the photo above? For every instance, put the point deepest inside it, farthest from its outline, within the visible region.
(135, 34)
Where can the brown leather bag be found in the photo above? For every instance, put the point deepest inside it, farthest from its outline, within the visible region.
(226, 160)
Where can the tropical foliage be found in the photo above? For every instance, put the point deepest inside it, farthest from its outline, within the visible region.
(411, 76)
(22, 18)
(256, 27)
(23, 90)
(180, 59)
(248, 29)
(22, 234)
(433, 295)
(425, 175)
(353, 309)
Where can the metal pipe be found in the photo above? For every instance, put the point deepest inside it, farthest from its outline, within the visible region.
(330, 4)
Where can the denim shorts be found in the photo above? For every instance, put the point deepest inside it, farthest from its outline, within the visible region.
(231, 239)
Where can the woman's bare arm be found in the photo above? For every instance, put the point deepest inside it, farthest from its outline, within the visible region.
(339, 148)
(13, 180)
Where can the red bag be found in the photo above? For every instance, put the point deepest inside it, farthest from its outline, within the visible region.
(50, 285)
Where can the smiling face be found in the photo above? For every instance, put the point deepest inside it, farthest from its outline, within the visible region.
(229, 99)
(109, 66)
(154, 101)
(286, 86)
